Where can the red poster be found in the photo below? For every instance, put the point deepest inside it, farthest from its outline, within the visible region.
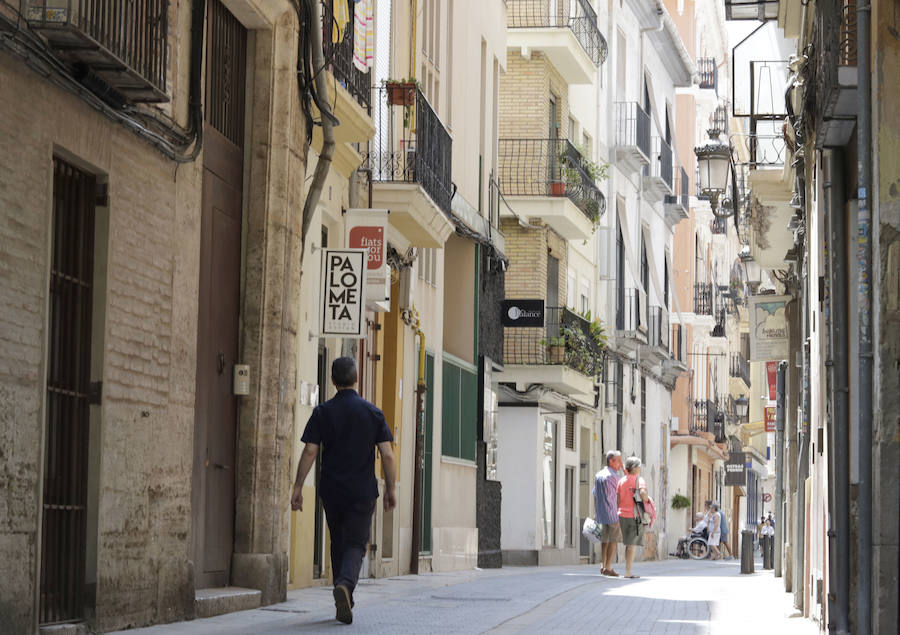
(771, 374)
(770, 418)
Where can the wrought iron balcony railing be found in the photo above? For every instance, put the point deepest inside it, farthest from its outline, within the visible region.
(719, 326)
(411, 144)
(548, 167)
(577, 15)
(704, 411)
(565, 339)
(709, 73)
(658, 332)
(678, 342)
(680, 188)
(661, 161)
(703, 298)
(338, 49)
(122, 43)
(628, 311)
(718, 226)
(632, 126)
(740, 367)
(766, 150)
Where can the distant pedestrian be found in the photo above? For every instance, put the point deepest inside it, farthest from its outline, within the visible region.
(631, 487)
(723, 533)
(771, 519)
(606, 484)
(348, 428)
(715, 532)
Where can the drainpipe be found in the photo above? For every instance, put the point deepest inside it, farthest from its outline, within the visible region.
(798, 577)
(418, 462)
(328, 123)
(838, 423)
(866, 330)
(779, 464)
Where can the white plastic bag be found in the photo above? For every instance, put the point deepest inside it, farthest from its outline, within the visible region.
(591, 530)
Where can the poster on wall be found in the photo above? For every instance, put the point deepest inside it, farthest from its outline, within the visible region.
(770, 418)
(736, 469)
(341, 302)
(367, 229)
(768, 328)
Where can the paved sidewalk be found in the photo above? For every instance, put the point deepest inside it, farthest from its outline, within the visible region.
(671, 596)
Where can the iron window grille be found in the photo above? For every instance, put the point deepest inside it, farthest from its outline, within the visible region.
(548, 167)
(411, 145)
(125, 44)
(709, 73)
(577, 15)
(703, 298)
(339, 56)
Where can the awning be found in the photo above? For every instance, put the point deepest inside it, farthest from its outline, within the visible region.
(674, 289)
(651, 260)
(632, 263)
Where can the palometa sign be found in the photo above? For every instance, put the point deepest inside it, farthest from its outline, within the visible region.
(342, 301)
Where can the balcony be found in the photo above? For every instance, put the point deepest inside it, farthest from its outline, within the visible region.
(632, 136)
(740, 368)
(658, 175)
(675, 365)
(719, 326)
(836, 71)
(631, 329)
(719, 226)
(410, 162)
(564, 354)
(565, 31)
(657, 348)
(703, 298)
(350, 90)
(553, 182)
(709, 73)
(121, 45)
(677, 205)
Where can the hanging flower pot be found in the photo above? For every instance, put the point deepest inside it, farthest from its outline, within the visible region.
(401, 93)
(557, 188)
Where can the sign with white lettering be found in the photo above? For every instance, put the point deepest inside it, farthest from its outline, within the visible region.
(768, 328)
(736, 469)
(522, 312)
(367, 229)
(341, 296)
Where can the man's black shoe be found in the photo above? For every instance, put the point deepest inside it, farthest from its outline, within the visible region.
(342, 604)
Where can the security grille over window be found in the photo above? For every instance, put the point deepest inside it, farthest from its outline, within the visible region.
(709, 73)
(64, 522)
(570, 428)
(226, 61)
(122, 44)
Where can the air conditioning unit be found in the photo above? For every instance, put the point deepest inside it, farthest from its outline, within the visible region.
(407, 290)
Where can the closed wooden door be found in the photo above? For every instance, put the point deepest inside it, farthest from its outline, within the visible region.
(219, 301)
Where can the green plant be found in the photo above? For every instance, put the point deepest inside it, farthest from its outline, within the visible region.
(680, 502)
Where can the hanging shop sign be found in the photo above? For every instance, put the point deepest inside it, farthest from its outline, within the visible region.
(772, 378)
(770, 418)
(367, 229)
(519, 313)
(736, 469)
(342, 304)
(768, 328)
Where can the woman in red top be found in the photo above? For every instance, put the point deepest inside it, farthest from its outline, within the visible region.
(631, 485)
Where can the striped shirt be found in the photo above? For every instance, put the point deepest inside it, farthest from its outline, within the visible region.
(605, 498)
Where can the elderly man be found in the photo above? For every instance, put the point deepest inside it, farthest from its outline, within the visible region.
(605, 509)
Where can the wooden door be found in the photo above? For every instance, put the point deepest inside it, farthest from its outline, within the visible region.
(215, 430)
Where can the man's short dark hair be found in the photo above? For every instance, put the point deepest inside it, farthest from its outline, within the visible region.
(343, 372)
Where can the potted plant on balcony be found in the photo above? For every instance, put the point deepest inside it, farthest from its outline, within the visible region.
(401, 92)
(556, 349)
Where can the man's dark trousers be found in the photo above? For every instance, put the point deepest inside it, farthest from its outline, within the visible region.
(349, 525)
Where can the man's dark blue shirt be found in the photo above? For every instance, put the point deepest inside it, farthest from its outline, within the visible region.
(347, 428)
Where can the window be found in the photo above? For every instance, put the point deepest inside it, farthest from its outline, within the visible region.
(586, 146)
(645, 280)
(573, 128)
(427, 265)
(570, 428)
(620, 267)
(459, 412)
(585, 297)
(548, 495)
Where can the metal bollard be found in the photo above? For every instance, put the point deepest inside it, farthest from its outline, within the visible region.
(747, 551)
(767, 544)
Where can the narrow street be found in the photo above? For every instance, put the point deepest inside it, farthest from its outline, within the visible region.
(672, 596)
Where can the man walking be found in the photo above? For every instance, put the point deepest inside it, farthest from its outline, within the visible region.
(606, 509)
(348, 428)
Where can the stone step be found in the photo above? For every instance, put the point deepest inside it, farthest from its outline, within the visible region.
(218, 601)
(64, 629)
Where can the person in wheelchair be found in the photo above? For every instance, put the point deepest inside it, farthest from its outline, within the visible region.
(697, 531)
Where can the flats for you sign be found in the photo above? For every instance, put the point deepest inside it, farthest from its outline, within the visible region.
(367, 229)
(342, 303)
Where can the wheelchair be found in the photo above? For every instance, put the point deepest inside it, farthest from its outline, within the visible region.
(693, 546)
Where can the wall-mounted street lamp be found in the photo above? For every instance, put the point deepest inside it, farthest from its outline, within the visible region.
(741, 406)
(714, 165)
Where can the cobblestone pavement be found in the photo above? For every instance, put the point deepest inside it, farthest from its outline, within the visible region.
(671, 596)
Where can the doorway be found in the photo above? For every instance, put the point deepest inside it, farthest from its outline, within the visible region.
(215, 428)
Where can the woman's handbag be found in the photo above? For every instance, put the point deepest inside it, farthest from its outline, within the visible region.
(640, 512)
